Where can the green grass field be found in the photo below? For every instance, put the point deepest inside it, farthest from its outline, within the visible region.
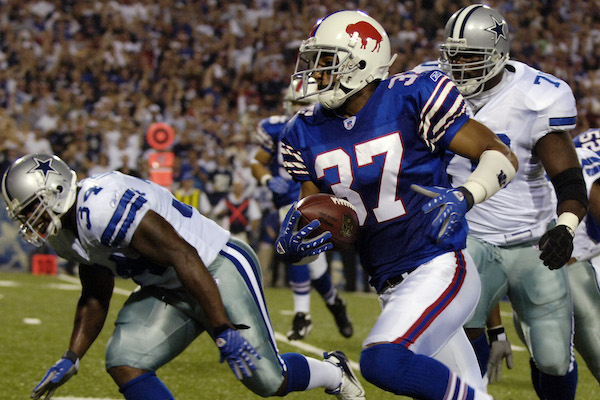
(37, 314)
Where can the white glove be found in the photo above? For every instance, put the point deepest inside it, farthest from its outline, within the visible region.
(499, 350)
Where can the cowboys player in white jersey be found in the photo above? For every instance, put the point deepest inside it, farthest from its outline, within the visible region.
(583, 265)
(194, 277)
(517, 245)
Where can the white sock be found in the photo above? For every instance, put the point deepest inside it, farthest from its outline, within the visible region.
(302, 303)
(323, 374)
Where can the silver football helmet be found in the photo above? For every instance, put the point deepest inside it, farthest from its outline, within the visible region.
(292, 104)
(361, 53)
(475, 49)
(38, 190)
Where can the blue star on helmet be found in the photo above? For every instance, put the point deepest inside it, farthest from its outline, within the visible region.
(45, 167)
(498, 30)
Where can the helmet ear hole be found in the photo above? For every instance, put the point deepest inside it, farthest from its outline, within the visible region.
(362, 64)
(59, 188)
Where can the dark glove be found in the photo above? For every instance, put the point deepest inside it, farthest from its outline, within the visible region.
(556, 246)
(452, 205)
(278, 185)
(292, 246)
(237, 351)
(57, 375)
(499, 350)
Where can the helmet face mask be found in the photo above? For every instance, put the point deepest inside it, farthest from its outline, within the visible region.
(476, 48)
(345, 51)
(293, 101)
(38, 190)
(38, 221)
(326, 62)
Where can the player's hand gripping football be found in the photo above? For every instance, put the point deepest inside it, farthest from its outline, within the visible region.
(57, 375)
(237, 351)
(499, 350)
(452, 206)
(556, 246)
(292, 245)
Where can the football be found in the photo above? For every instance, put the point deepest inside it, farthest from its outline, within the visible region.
(336, 215)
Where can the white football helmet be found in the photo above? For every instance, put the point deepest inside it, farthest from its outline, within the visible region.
(475, 49)
(361, 53)
(292, 102)
(38, 190)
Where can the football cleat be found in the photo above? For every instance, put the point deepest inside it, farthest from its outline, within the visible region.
(338, 309)
(300, 327)
(350, 388)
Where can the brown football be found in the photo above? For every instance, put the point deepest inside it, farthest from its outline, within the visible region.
(336, 215)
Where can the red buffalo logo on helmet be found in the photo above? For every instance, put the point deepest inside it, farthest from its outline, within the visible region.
(365, 31)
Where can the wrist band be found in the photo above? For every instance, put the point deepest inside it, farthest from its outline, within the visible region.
(265, 179)
(71, 356)
(569, 220)
(496, 334)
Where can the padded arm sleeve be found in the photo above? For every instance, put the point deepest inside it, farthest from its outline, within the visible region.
(493, 172)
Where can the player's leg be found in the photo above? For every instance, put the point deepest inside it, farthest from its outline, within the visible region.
(494, 286)
(299, 280)
(136, 350)
(321, 281)
(541, 301)
(586, 311)
(457, 354)
(237, 273)
(419, 316)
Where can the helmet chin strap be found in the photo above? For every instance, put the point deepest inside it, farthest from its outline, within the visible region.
(472, 88)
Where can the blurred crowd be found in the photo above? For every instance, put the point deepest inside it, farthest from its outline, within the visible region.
(84, 79)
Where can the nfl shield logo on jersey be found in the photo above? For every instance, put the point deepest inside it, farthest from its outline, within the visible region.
(349, 122)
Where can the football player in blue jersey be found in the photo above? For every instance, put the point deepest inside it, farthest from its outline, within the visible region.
(194, 277)
(584, 266)
(522, 237)
(380, 142)
(267, 168)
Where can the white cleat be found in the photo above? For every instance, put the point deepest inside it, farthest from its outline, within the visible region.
(350, 388)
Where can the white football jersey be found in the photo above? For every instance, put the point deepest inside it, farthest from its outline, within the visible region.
(525, 106)
(109, 209)
(584, 247)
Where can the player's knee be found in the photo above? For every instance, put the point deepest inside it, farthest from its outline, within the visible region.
(377, 361)
(553, 363)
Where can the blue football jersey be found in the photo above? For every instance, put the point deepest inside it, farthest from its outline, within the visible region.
(590, 139)
(397, 139)
(269, 134)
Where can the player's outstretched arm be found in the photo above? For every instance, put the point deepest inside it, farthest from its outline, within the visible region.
(92, 308)
(157, 240)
